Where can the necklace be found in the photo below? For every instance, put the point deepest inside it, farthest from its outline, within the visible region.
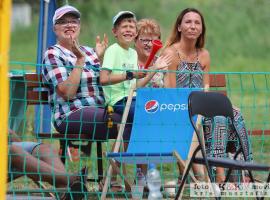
(189, 58)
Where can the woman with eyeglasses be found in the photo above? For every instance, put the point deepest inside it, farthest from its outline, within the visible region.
(72, 72)
(147, 31)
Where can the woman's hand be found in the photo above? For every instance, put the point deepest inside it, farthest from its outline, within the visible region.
(162, 62)
(76, 50)
(101, 46)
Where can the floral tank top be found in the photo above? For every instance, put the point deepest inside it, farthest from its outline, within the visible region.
(189, 74)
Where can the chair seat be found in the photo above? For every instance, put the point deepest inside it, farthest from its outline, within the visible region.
(233, 164)
(142, 158)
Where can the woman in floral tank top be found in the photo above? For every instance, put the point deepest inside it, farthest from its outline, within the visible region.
(192, 63)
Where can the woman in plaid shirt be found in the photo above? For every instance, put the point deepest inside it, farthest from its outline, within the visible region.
(72, 72)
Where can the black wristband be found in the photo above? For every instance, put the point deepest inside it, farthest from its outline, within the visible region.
(129, 75)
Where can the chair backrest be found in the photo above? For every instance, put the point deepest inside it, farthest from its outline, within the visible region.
(37, 91)
(161, 123)
(217, 82)
(209, 104)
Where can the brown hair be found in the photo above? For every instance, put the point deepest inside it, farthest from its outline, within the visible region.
(148, 26)
(176, 35)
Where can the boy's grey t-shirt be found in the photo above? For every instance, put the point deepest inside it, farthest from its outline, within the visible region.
(119, 60)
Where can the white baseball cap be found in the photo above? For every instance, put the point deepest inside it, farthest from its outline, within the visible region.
(128, 14)
(60, 12)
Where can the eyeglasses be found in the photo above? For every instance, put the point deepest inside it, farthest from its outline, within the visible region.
(145, 41)
(74, 22)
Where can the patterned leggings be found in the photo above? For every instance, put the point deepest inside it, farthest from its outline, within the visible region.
(220, 136)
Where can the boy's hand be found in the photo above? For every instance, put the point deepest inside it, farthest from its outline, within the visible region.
(101, 46)
(139, 75)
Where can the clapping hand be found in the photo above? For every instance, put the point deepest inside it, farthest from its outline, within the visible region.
(76, 49)
(101, 45)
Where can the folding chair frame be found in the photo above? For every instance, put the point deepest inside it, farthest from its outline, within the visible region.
(118, 142)
(210, 104)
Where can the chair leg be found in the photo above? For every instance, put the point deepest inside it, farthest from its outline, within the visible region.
(253, 181)
(40, 184)
(118, 139)
(180, 190)
(99, 161)
(205, 159)
(210, 177)
(113, 166)
(250, 175)
(228, 175)
(182, 184)
(267, 181)
(185, 173)
(207, 167)
(63, 146)
(118, 171)
(106, 183)
(86, 149)
(182, 164)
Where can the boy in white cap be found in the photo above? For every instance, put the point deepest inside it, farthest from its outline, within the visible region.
(120, 69)
(120, 65)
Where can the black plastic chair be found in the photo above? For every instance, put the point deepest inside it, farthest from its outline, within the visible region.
(211, 104)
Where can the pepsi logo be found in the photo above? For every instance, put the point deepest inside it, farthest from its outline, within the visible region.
(151, 106)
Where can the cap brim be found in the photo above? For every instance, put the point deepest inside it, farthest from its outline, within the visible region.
(78, 15)
(124, 15)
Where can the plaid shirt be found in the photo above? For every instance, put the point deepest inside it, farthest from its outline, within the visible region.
(58, 64)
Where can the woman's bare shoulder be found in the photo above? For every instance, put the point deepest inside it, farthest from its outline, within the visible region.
(204, 53)
(204, 58)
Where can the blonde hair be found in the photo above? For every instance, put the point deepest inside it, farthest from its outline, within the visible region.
(148, 26)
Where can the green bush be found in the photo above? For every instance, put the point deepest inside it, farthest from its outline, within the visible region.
(237, 31)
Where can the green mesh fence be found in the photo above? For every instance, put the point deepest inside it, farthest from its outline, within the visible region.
(40, 172)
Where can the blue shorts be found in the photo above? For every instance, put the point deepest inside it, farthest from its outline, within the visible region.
(27, 146)
(119, 108)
